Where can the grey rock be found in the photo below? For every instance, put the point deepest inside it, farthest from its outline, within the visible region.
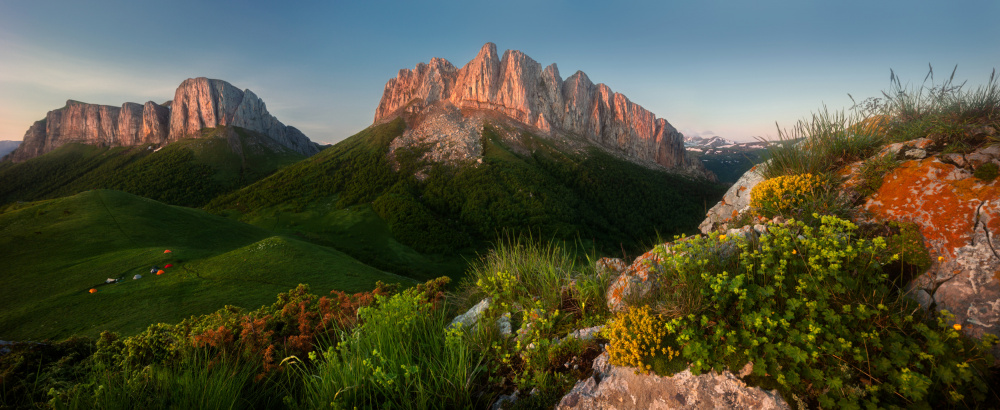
(616, 387)
(471, 316)
(915, 153)
(736, 201)
(585, 334)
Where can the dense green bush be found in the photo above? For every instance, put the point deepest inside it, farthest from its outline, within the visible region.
(813, 311)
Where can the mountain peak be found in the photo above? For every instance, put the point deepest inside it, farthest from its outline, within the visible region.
(516, 89)
(198, 103)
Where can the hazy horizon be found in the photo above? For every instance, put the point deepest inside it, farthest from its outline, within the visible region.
(730, 69)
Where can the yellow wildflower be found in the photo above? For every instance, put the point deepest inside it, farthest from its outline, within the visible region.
(957, 326)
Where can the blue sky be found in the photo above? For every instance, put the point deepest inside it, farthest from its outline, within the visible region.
(729, 68)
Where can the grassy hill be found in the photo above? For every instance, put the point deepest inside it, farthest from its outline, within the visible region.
(189, 172)
(355, 197)
(54, 251)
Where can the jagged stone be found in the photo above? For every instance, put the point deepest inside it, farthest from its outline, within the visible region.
(520, 90)
(612, 266)
(471, 316)
(617, 387)
(735, 202)
(589, 333)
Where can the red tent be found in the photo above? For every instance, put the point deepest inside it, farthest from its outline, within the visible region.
(92, 290)
(166, 251)
(169, 265)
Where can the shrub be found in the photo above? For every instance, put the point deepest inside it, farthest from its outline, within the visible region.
(813, 311)
(987, 172)
(784, 194)
(637, 336)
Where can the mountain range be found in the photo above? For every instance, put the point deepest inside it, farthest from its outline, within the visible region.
(454, 160)
(7, 146)
(198, 103)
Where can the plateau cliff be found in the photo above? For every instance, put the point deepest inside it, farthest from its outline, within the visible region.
(521, 91)
(198, 103)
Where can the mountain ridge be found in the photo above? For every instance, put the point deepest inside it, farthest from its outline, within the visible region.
(198, 103)
(518, 88)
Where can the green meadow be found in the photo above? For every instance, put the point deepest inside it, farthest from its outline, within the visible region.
(56, 250)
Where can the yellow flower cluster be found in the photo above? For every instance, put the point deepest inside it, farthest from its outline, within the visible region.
(783, 194)
(637, 335)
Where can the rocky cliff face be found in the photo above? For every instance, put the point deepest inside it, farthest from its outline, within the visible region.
(517, 87)
(202, 102)
(198, 103)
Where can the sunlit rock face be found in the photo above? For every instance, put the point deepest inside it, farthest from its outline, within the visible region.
(516, 89)
(202, 103)
(198, 103)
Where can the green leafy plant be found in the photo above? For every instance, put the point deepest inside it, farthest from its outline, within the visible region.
(987, 172)
(813, 311)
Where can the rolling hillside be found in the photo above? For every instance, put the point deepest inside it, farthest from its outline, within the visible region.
(55, 251)
(519, 187)
(189, 172)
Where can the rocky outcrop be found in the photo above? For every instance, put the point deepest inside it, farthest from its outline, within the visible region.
(959, 218)
(93, 124)
(617, 387)
(518, 88)
(735, 202)
(198, 103)
(203, 103)
(957, 214)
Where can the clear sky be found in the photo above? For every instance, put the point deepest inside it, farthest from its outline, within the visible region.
(729, 68)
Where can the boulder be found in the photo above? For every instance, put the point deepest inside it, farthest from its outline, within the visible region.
(735, 202)
(959, 218)
(617, 387)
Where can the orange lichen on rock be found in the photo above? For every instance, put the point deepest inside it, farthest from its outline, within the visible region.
(940, 198)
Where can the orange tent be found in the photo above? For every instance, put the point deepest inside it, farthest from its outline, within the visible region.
(169, 265)
(159, 272)
(92, 290)
(166, 251)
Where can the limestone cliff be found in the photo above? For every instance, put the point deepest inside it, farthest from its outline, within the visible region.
(517, 87)
(198, 103)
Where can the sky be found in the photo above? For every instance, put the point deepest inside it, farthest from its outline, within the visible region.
(736, 69)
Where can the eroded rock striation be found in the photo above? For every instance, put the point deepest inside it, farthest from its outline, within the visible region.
(518, 88)
(198, 103)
